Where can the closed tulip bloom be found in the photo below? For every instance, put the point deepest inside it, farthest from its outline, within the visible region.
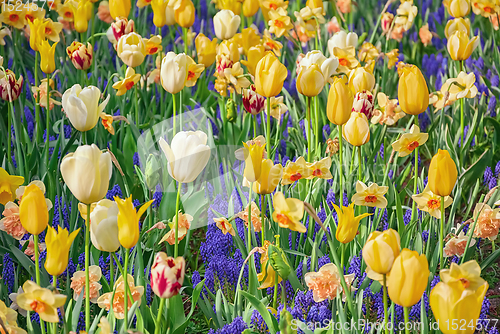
(104, 227)
(409, 278)
(442, 174)
(270, 75)
(254, 55)
(339, 105)
(87, 172)
(232, 5)
(270, 177)
(357, 129)
(348, 223)
(187, 155)
(159, 12)
(205, 49)
(37, 33)
(82, 15)
(361, 80)
(82, 106)
(226, 24)
(47, 64)
(167, 275)
(457, 8)
(460, 46)
(80, 55)
(184, 13)
(253, 154)
(250, 7)
(457, 24)
(328, 66)
(131, 49)
(253, 102)
(33, 210)
(310, 81)
(119, 8)
(10, 87)
(174, 72)
(58, 244)
(128, 221)
(413, 93)
(381, 249)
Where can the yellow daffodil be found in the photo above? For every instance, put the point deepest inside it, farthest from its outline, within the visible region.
(58, 245)
(372, 196)
(347, 223)
(33, 211)
(153, 45)
(128, 221)
(406, 15)
(205, 49)
(461, 87)
(47, 64)
(33, 12)
(235, 76)
(52, 30)
(253, 161)
(486, 8)
(8, 186)
(194, 71)
(309, 18)
(295, 171)
(460, 46)
(279, 22)
(37, 33)
(442, 174)
(66, 10)
(408, 142)
(131, 78)
(254, 55)
(40, 300)
(368, 52)
(278, 108)
(225, 226)
(380, 250)
(429, 202)
(392, 58)
(467, 274)
(14, 16)
(288, 212)
(267, 5)
(271, 44)
(320, 169)
(347, 59)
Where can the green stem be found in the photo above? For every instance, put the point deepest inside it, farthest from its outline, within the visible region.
(316, 123)
(340, 166)
(441, 236)
(407, 320)
(415, 180)
(175, 112)
(263, 228)
(462, 123)
(111, 270)
(54, 284)
(37, 272)
(47, 117)
(342, 256)
(275, 294)
(309, 135)
(125, 281)
(136, 102)
(160, 313)
(37, 104)
(268, 123)
(249, 239)
(177, 205)
(9, 136)
(255, 126)
(360, 162)
(87, 274)
(184, 31)
(386, 310)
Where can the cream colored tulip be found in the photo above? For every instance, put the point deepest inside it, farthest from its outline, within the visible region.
(187, 155)
(174, 72)
(104, 226)
(87, 172)
(226, 24)
(360, 80)
(82, 106)
(342, 40)
(131, 49)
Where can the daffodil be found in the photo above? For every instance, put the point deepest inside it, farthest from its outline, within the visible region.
(194, 71)
(236, 77)
(270, 44)
(153, 45)
(463, 86)
(288, 212)
(406, 15)
(278, 108)
(131, 78)
(320, 169)
(8, 186)
(372, 196)
(410, 141)
(128, 221)
(279, 22)
(14, 17)
(429, 202)
(294, 171)
(388, 111)
(309, 19)
(225, 226)
(347, 59)
(348, 223)
(468, 274)
(41, 300)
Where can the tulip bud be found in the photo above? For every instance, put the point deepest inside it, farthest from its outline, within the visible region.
(460, 46)
(128, 221)
(159, 12)
(47, 64)
(119, 28)
(339, 105)
(119, 8)
(381, 249)
(386, 22)
(33, 210)
(80, 55)
(82, 15)
(58, 245)
(174, 72)
(205, 49)
(357, 129)
(253, 102)
(167, 275)
(310, 81)
(131, 49)
(442, 174)
(408, 279)
(231, 112)
(363, 103)
(270, 177)
(104, 226)
(152, 172)
(185, 13)
(270, 74)
(226, 24)
(10, 88)
(413, 93)
(360, 80)
(37, 32)
(457, 8)
(250, 7)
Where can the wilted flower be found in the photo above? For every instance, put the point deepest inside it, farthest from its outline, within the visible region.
(256, 221)
(457, 243)
(388, 111)
(225, 226)
(30, 249)
(488, 221)
(184, 225)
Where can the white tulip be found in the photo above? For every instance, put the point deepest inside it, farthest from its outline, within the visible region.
(131, 49)
(328, 66)
(226, 24)
(187, 155)
(342, 40)
(87, 172)
(82, 106)
(174, 72)
(104, 226)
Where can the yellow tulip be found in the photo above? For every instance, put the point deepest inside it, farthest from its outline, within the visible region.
(249, 38)
(8, 186)
(253, 161)
(270, 176)
(40, 300)
(270, 74)
(360, 80)
(409, 278)
(460, 46)
(340, 100)
(33, 211)
(267, 276)
(380, 250)
(159, 12)
(82, 16)
(457, 8)
(184, 13)
(128, 221)
(205, 49)
(413, 93)
(315, 4)
(347, 223)
(457, 24)
(119, 8)
(288, 212)
(250, 7)
(442, 174)
(310, 81)
(47, 64)
(232, 5)
(357, 129)
(58, 245)
(37, 32)
(254, 55)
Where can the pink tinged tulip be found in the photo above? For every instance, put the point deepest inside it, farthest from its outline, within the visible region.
(167, 275)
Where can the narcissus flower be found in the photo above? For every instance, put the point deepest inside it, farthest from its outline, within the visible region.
(368, 53)
(488, 221)
(131, 49)
(131, 78)
(408, 142)
(256, 220)
(413, 93)
(267, 5)
(205, 49)
(187, 155)
(225, 226)
(11, 223)
(58, 245)
(406, 15)
(184, 225)
(340, 100)
(348, 223)
(457, 8)
(279, 22)
(269, 179)
(309, 19)
(78, 283)
(271, 44)
(270, 75)
(117, 297)
(278, 108)
(460, 46)
(104, 226)
(80, 55)
(119, 8)
(457, 243)
(288, 212)
(380, 250)
(442, 174)
(14, 17)
(174, 72)
(347, 58)
(267, 276)
(320, 169)
(295, 171)
(87, 172)
(47, 64)
(429, 202)
(167, 275)
(388, 111)
(33, 210)
(357, 129)
(409, 278)
(392, 58)
(236, 78)
(128, 221)
(226, 23)
(372, 196)
(41, 300)
(153, 45)
(325, 283)
(461, 87)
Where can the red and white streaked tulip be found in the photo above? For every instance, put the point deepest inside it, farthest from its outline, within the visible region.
(167, 275)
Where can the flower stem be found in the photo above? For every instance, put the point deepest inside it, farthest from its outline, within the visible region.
(268, 123)
(111, 270)
(177, 205)
(175, 113)
(342, 255)
(37, 104)
(407, 319)
(415, 184)
(184, 31)
(125, 281)
(340, 166)
(275, 294)
(386, 310)
(37, 272)
(441, 232)
(160, 313)
(136, 102)
(9, 135)
(309, 135)
(360, 162)
(87, 274)
(47, 117)
(249, 238)
(263, 226)
(254, 126)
